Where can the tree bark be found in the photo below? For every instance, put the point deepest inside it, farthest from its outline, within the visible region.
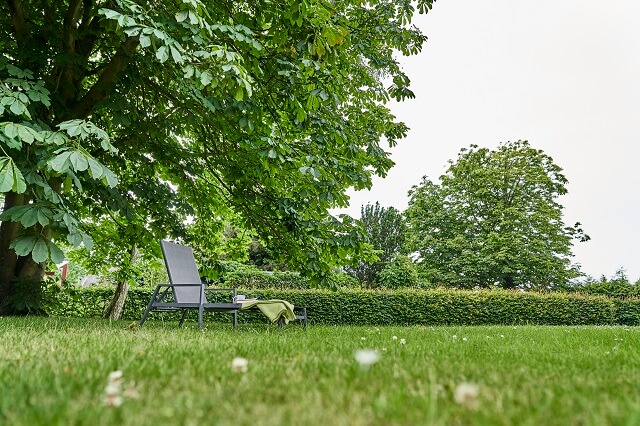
(8, 258)
(114, 310)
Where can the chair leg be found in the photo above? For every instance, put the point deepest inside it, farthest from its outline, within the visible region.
(280, 322)
(200, 313)
(184, 315)
(146, 312)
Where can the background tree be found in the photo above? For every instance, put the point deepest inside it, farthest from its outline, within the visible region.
(273, 109)
(493, 219)
(385, 229)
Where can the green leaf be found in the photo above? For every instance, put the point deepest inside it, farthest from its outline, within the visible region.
(78, 161)
(175, 54)
(110, 178)
(60, 162)
(11, 130)
(17, 108)
(162, 54)
(145, 41)
(11, 178)
(96, 170)
(23, 245)
(44, 215)
(25, 134)
(206, 78)
(57, 256)
(182, 15)
(40, 251)
(74, 238)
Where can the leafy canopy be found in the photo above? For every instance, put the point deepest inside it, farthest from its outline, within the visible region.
(386, 230)
(268, 109)
(494, 218)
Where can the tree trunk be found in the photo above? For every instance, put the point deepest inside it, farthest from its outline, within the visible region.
(508, 282)
(114, 310)
(8, 258)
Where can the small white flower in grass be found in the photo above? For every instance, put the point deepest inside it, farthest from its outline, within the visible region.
(403, 341)
(394, 338)
(240, 365)
(115, 376)
(112, 396)
(502, 335)
(466, 394)
(366, 357)
(455, 337)
(363, 338)
(113, 400)
(464, 339)
(112, 389)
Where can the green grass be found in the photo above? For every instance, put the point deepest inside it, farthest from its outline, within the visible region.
(54, 371)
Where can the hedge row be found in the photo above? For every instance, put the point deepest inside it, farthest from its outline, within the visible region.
(397, 307)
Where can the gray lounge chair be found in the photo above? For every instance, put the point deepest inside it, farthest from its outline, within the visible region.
(186, 288)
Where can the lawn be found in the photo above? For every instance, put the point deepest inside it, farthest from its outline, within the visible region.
(55, 371)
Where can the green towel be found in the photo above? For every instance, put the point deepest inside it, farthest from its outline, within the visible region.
(273, 309)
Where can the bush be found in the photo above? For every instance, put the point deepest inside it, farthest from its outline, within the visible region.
(617, 286)
(400, 273)
(398, 307)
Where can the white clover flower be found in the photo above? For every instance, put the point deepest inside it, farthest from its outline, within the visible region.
(113, 400)
(112, 397)
(403, 341)
(112, 389)
(366, 357)
(466, 394)
(394, 338)
(455, 337)
(239, 365)
(464, 339)
(363, 338)
(114, 376)
(502, 335)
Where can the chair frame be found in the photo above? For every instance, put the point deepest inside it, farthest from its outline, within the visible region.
(187, 271)
(157, 304)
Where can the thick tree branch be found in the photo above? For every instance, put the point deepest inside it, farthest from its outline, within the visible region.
(17, 20)
(107, 80)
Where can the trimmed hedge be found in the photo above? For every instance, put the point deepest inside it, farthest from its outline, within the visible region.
(397, 307)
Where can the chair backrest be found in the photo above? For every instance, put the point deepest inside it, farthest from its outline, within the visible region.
(182, 269)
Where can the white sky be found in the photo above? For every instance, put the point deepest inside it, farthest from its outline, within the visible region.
(564, 75)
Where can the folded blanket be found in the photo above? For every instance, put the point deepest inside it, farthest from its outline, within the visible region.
(272, 309)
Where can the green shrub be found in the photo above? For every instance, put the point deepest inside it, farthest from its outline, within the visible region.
(400, 273)
(398, 307)
(617, 286)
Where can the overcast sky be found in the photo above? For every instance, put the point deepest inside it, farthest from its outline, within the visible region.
(564, 75)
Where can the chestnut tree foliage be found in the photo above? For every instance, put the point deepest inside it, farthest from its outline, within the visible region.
(494, 219)
(150, 112)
